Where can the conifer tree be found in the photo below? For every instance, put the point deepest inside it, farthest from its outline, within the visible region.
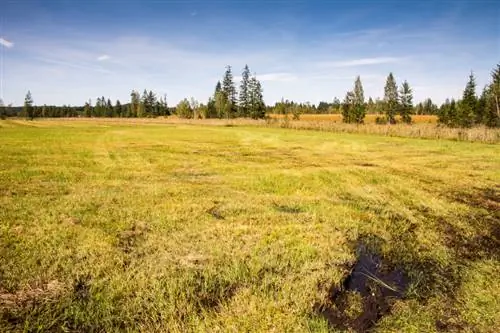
(491, 115)
(391, 99)
(118, 109)
(468, 104)
(244, 101)
(358, 108)
(257, 107)
(28, 106)
(406, 99)
(229, 91)
(87, 109)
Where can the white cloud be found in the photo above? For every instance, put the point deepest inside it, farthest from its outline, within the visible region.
(103, 57)
(361, 62)
(6, 43)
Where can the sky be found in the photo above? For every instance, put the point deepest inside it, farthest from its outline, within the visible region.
(68, 51)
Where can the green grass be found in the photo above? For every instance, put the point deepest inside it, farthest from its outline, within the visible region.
(107, 226)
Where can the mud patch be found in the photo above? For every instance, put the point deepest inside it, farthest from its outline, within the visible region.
(30, 296)
(365, 295)
(366, 164)
(215, 212)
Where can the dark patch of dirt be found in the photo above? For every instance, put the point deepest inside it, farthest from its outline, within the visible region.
(366, 164)
(287, 209)
(81, 288)
(215, 212)
(30, 296)
(375, 283)
(484, 198)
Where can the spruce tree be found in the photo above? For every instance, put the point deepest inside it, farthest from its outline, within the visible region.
(491, 117)
(28, 106)
(406, 102)
(118, 109)
(3, 110)
(87, 109)
(230, 91)
(468, 104)
(257, 107)
(244, 102)
(109, 108)
(391, 99)
(358, 107)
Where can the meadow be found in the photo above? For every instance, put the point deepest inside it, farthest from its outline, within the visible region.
(149, 226)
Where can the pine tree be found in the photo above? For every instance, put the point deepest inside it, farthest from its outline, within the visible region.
(358, 107)
(468, 104)
(229, 91)
(244, 102)
(406, 99)
(109, 108)
(28, 106)
(257, 107)
(118, 109)
(87, 109)
(491, 117)
(391, 99)
(3, 110)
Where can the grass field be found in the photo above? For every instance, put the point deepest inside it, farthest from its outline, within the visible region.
(114, 226)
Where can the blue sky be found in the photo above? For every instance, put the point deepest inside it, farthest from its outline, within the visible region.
(68, 51)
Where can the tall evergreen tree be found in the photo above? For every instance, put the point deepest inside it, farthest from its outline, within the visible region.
(87, 109)
(406, 99)
(28, 106)
(118, 109)
(3, 110)
(109, 109)
(244, 102)
(229, 91)
(491, 115)
(257, 107)
(468, 105)
(391, 99)
(358, 107)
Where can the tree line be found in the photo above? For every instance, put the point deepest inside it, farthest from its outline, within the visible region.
(226, 102)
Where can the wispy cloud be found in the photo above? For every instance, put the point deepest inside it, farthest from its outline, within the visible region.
(82, 66)
(103, 57)
(6, 43)
(361, 62)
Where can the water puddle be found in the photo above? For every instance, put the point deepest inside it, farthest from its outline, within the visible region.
(365, 295)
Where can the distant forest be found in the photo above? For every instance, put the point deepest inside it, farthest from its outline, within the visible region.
(226, 102)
